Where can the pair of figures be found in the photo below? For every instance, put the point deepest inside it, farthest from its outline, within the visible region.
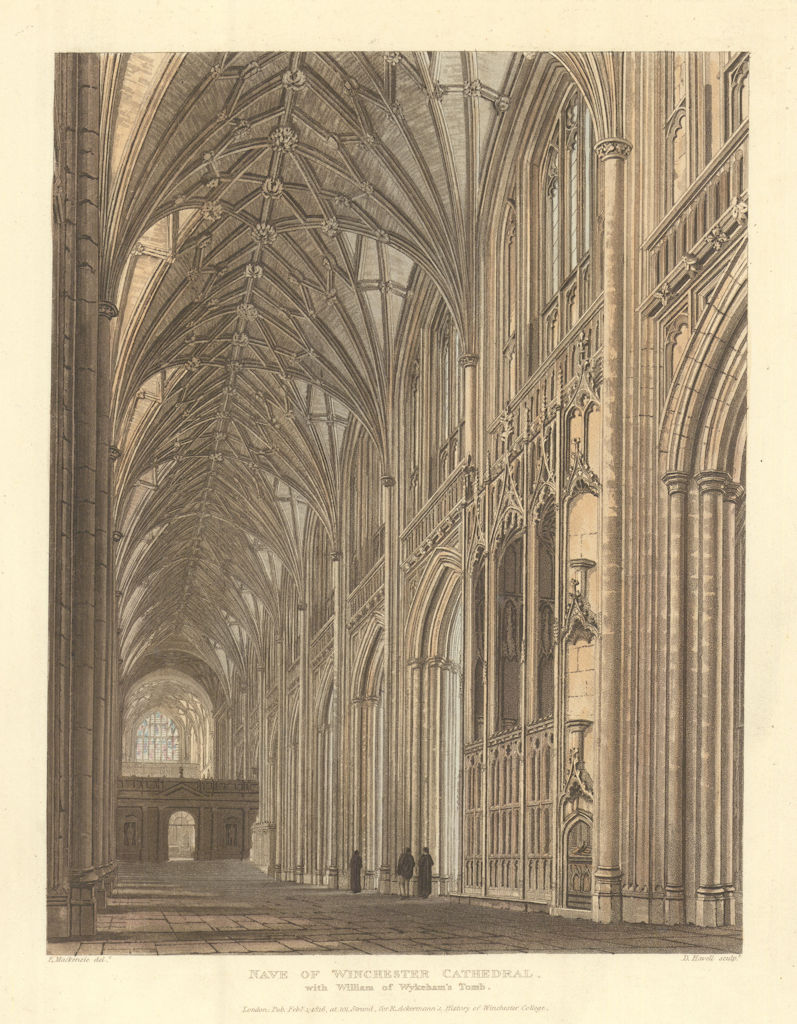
(404, 870)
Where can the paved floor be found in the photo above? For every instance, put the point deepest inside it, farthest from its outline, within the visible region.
(231, 907)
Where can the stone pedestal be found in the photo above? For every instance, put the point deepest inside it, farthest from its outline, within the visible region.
(710, 907)
(83, 908)
(58, 916)
(263, 840)
(607, 897)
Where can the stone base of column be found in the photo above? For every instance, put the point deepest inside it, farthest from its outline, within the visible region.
(298, 874)
(732, 907)
(58, 915)
(711, 906)
(735, 906)
(317, 877)
(439, 885)
(384, 880)
(262, 845)
(674, 909)
(104, 885)
(83, 910)
(607, 896)
(332, 878)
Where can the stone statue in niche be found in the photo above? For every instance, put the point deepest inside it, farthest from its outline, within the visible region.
(511, 651)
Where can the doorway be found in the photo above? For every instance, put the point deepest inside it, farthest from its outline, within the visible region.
(182, 836)
(579, 866)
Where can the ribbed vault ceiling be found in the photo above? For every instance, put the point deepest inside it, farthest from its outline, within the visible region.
(267, 217)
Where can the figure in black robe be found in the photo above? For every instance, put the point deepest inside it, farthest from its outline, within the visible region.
(404, 870)
(355, 867)
(425, 863)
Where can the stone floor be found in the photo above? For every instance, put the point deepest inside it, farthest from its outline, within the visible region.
(231, 907)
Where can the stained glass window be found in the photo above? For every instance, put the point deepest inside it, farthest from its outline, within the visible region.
(157, 739)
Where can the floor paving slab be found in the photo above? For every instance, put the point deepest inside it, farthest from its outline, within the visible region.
(229, 906)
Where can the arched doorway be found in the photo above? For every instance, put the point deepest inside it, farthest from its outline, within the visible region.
(182, 836)
(578, 846)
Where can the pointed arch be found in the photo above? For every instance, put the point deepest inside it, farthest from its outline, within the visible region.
(440, 580)
(708, 394)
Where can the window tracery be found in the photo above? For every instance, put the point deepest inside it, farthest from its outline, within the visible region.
(434, 385)
(479, 661)
(157, 739)
(509, 374)
(366, 530)
(567, 213)
(676, 128)
(510, 618)
(738, 92)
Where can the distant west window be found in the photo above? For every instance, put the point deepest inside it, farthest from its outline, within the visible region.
(157, 739)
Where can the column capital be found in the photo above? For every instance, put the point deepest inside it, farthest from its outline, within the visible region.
(613, 149)
(117, 535)
(114, 452)
(468, 359)
(302, 606)
(108, 310)
(676, 482)
(712, 481)
(388, 481)
(734, 492)
(336, 556)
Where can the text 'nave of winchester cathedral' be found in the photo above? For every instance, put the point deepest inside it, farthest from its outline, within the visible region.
(397, 475)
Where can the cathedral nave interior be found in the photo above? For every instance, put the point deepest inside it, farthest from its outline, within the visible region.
(398, 476)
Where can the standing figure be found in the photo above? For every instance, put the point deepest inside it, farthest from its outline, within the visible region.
(425, 863)
(355, 867)
(404, 869)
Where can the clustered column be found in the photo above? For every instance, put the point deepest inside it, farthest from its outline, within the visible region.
(301, 747)
(674, 852)
(701, 669)
(711, 894)
(469, 361)
(104, 607)
(82, 825)
(390, 803)
(607, 898)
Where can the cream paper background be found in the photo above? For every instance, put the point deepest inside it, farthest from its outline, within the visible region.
(759, 985)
